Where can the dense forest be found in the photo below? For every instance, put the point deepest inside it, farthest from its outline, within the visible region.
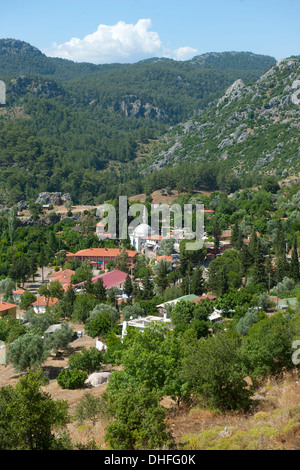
(79, 128)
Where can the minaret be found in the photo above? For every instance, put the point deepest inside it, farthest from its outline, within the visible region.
(145, 216)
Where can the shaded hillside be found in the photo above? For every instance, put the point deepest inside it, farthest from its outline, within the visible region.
(161, 89)
(78, 128)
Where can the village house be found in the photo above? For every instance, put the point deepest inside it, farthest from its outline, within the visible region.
(41, 304)
(204, 297)
(8, 309)
(143, 322)
(99, 257)
(63, 277)
(215, 317)
(111, 279)
(164, 258)
(163, 308)
(17, 294)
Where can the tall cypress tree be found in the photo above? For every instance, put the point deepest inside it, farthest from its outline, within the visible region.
(42, 261)
(252, 247)
(223, 282)
(259, 273)
(147, 291)
(294, 265)
(216, 232)
(99, 290)
(270, 272)
(197, 282)
(279, 243)
(128, 287)
(282, 268)
(161, 279)
(236, 237)
(246, 258)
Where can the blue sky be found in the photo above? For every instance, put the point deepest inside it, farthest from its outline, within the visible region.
(103, 31)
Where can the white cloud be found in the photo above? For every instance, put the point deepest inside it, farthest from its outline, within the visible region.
(184, 53)
(121, 43)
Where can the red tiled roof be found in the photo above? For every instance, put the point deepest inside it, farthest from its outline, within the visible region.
(5, 306)
(62, 273)
(64, 277)
(164, 257)
(100, 252)
(203, 297)
(19, 292)
(66, 286)
(110, 279)
(154, 237)
(226, 234)
(43, 302)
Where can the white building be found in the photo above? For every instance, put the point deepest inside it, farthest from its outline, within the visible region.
(140, 235)
(143, 322)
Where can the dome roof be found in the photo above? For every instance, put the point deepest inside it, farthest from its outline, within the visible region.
(143, 231)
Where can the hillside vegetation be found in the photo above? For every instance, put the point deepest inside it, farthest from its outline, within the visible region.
(251, 128)
(79, 128)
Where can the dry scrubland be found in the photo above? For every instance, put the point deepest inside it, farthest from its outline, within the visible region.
(273, 425)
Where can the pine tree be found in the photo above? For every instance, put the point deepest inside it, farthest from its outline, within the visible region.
(187, 278)
(184, 262)
(136, 291)
(51, 247)
(99, 290)
(122, 261)
(89, 287)
(70, 296)
(33, 264)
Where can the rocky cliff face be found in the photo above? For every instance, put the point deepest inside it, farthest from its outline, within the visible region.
(20, 86)
(252, 127)
(56, 199)
(131, 105)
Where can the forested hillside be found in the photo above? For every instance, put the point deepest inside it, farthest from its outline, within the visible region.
(78, 128)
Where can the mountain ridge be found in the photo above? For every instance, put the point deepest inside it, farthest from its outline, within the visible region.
(250, 126)
(14, 47)
(68, 129)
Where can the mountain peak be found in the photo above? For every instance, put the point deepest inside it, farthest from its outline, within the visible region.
(15, 46)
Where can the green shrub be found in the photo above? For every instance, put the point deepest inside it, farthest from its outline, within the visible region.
(71, 379)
